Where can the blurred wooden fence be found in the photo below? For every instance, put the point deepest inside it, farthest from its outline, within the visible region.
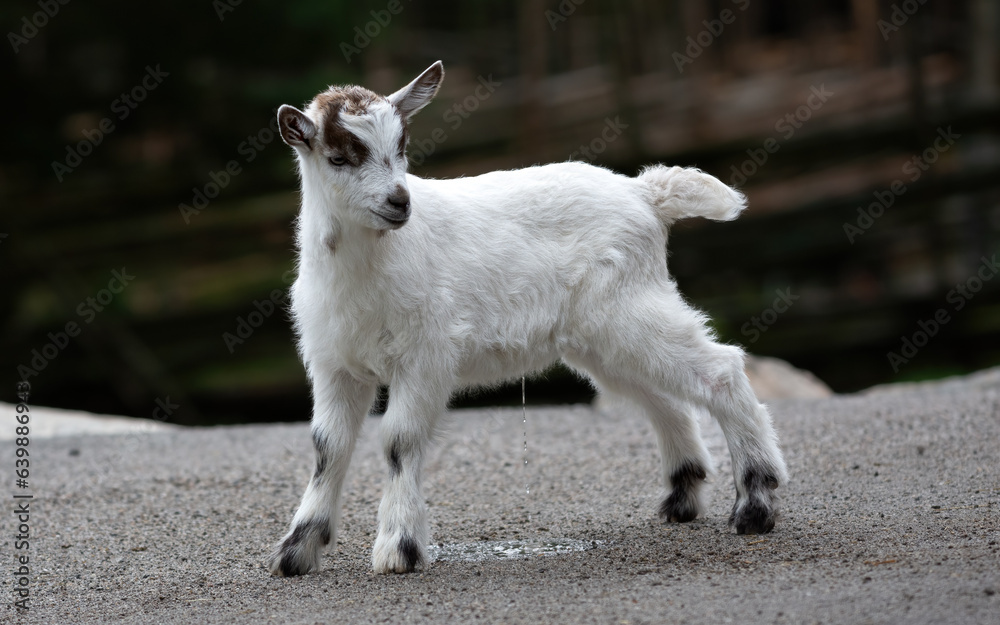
(812, 138)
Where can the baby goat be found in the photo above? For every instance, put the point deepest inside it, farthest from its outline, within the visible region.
(433, 285)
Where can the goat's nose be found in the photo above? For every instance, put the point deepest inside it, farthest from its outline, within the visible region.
(400, 198)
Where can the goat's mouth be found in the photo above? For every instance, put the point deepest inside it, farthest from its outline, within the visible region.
(395, 219)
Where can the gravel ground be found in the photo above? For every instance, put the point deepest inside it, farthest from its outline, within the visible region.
(892, 516)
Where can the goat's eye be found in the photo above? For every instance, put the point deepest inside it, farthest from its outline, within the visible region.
(337, 161)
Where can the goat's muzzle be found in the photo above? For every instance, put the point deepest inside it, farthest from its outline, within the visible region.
(397, 209)
(400, 200)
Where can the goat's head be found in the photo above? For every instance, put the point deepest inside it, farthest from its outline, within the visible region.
(352, 143)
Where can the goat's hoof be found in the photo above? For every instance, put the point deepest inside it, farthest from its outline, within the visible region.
(299, 551)
(679, 507)
(753, 518)
(755, 514)
(289, 561)
(682, 504)
(399, 554)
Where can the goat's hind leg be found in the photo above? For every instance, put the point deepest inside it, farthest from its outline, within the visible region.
(685, 460)
(673, 354)
(340, 406)
(758, 466)
(716, 380)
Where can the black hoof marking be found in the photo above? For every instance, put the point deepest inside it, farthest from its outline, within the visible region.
(757, 514)
(290, 566)
(757, 480)
(291, 551)
(752, 518)
(410, 551)
(681, 505)
(678, 508)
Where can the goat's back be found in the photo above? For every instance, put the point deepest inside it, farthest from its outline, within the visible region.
(560, 220)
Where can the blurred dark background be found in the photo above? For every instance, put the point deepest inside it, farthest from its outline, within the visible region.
(122, 119)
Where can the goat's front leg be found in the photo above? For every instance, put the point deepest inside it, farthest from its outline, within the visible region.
(407, 429)
(340, 405)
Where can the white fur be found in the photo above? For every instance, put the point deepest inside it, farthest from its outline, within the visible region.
(490, 278)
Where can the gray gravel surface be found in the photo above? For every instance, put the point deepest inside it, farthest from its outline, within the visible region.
(891, 517)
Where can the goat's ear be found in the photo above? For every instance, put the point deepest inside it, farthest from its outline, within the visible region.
(297, 130)
(418, 93)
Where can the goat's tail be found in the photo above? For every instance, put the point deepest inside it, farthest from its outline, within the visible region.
(679, 192)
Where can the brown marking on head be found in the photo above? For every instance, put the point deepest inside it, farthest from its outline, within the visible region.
(350, 100)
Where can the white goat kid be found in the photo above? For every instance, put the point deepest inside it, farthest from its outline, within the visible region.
(492, 277)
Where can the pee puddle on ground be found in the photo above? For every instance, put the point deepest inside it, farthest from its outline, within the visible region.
(507, 549)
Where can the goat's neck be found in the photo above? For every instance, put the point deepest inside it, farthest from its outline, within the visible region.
(328, 241)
